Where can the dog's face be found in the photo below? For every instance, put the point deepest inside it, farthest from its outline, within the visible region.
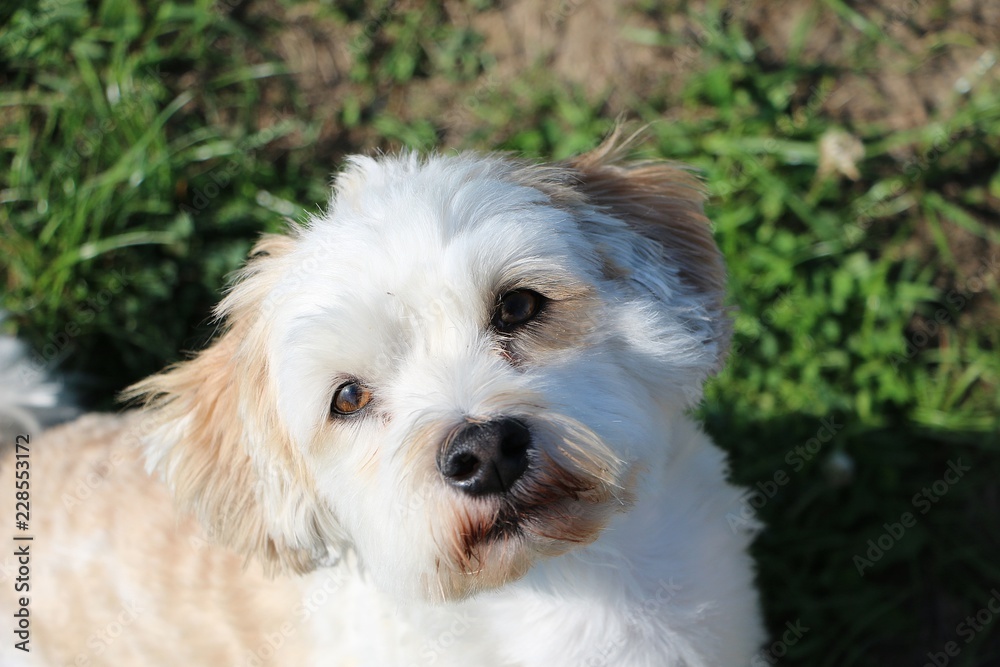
(460, 368)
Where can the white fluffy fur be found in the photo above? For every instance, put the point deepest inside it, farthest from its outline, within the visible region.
(395, 285)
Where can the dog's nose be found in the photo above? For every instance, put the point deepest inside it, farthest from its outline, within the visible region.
(487, 458)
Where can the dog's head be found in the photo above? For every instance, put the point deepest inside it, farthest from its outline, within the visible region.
(460, 368)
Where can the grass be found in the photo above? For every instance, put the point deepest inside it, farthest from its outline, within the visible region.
(145, 147)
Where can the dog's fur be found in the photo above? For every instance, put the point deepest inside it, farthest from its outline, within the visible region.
(612, 548)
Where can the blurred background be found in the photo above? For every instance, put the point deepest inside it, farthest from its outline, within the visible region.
(851, 151)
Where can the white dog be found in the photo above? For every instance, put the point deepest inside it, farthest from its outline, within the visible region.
(449, 416)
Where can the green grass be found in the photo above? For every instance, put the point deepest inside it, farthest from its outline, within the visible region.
(144, 148)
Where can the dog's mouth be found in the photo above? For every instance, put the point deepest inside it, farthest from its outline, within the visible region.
(571, 487)
(552, 509)
(508, 523)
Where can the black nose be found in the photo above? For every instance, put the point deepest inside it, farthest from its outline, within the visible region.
(486, 458)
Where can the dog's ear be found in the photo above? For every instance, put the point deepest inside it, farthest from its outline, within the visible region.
(663, 203)
(213, 432)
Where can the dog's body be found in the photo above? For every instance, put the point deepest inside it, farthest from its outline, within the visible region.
(449, 414)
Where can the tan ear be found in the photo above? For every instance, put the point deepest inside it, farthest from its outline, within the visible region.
(215, 436)
(663, 202)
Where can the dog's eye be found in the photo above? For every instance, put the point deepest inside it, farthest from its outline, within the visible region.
(516, 308)
(349, 398)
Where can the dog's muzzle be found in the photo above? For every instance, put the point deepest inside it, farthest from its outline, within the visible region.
(486, 458)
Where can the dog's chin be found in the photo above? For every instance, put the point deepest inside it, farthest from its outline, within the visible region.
(495, 540)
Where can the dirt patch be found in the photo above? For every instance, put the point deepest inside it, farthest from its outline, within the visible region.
(927, 64)
(931, 59)
(927, 59)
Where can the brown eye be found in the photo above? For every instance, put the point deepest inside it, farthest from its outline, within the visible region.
(516, 308)
(349, 398)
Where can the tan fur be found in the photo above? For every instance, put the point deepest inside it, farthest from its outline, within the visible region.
(565, 323)
(661, 201)
(206, 411)
(116, 571)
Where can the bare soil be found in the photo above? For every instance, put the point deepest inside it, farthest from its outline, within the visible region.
(617, 52)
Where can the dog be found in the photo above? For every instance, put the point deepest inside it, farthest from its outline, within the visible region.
(445, 422)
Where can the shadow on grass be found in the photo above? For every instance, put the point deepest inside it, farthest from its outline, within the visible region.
(879, 540)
